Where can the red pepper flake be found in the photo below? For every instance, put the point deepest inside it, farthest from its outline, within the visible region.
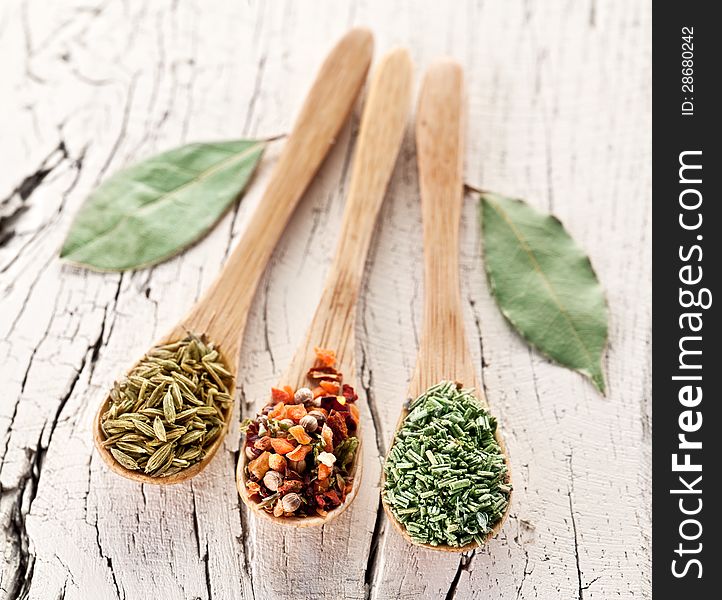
(332, 497)
(348, 392)
(352, 417)
(279, 395)
(324, 472)
(322, 485)
(278, 412)
(327, 437)
(319, 373)
(337, 423)
(331, 387)
(298, 453)
(325, 357)
(300, 435)
(259, 466)
(334, 403)
(282, 445)
(290, 485)
(295, 412)
(263, 443)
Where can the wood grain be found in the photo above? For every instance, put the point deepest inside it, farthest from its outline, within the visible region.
(558, 114)
(440, 122)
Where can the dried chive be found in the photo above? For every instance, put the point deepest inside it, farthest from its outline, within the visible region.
(166, 413)
(446, 479)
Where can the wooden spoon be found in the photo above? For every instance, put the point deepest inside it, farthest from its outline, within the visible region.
(221, 313)
(333, 325)
(443, 351)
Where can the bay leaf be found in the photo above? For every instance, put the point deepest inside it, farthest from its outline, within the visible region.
(544, 284)
(151, 211)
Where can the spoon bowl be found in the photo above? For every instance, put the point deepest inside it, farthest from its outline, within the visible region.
(220, 315)
(139, 476)
(495, 529)
(443, 351)
(380, 135)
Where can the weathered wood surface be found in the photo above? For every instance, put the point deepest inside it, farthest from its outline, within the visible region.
(559, 113)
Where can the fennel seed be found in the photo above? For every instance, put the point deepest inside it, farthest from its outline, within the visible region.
(167, 412)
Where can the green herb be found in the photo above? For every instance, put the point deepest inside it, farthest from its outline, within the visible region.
(151, 211)
(345, 453)
(446, 479)
(167, 412)
(545, 284)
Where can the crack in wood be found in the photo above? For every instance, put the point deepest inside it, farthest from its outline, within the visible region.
(366, 379)
(464, 565)
(570, 491)
(26, 558)
(242, 511)
(14, 205)
(202, 554)
(372, 562)
(21, 579)
(245, 543)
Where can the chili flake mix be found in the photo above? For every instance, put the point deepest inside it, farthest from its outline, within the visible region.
(301, 447)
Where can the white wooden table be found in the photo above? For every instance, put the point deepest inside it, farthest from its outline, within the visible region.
(559, 114)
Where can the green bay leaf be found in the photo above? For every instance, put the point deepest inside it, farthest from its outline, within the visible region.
(544, 284)
(151, 211)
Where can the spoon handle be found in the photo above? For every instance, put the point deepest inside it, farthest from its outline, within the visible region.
(382, 129)
(222, 311)
(443, 353)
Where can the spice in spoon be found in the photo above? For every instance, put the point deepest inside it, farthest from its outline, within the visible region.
(446, 479)
(300, 449)
(166, 413)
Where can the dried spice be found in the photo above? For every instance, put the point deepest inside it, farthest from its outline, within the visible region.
(446, 479)
(302, 445)
(166, 413)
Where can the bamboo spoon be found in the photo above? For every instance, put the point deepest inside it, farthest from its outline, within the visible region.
(443, 351)
(382, 128)
(221, 313)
